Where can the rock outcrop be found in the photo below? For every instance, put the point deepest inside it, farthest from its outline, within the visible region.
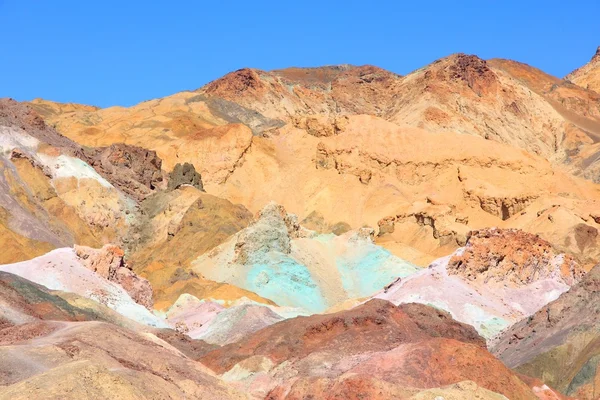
(273, 230)
(184, 174)
(561, 342)
(109, 263)
(133, 169)
(513, 257)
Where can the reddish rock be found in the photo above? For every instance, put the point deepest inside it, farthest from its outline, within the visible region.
(109, 263)
(380, 325)
(475, 72)
(374, 351)
(511, 256)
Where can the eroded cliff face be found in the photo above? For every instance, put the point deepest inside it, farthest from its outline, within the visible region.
(109, 263)
(132, 169)
(512, 257)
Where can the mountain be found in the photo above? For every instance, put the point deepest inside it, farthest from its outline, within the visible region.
(328, 232)
(394, 172)
(297, 95)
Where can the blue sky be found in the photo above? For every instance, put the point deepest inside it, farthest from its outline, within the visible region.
(123, 52)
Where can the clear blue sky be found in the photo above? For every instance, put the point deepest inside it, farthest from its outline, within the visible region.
(123, 52)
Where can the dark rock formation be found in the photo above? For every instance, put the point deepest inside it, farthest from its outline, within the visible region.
(134, 170)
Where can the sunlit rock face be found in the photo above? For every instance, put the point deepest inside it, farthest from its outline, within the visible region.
(141, 244)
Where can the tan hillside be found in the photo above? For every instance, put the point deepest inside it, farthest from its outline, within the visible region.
(291, 136)
(588, 76)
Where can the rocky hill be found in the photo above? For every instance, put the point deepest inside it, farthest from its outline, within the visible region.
(338, 232)
(486, 143)
(375, 351)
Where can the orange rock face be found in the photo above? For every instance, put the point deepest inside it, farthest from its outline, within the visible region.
(403, 147)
